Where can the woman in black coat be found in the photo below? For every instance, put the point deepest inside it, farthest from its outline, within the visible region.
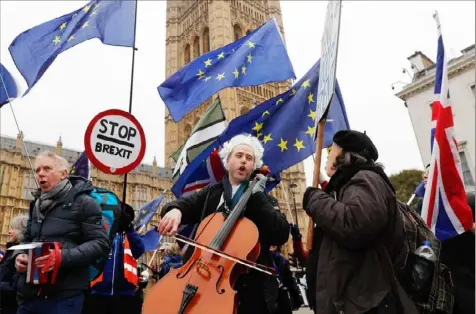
(8, 275)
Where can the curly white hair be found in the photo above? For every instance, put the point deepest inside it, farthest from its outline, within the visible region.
(243, 139)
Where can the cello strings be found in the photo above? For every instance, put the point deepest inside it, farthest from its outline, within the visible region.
(223, 255)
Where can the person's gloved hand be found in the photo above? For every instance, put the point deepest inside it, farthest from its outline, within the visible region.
(294, 230)
(260, 185)
(126, 218)
(307, 196)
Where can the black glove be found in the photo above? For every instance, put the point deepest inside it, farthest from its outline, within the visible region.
(127, 216)
(307, 195)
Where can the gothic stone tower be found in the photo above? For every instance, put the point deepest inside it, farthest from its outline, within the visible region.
(197, 27)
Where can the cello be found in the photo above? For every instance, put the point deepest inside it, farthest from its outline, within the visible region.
(225, 242)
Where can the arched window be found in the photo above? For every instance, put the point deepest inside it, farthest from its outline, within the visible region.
(237, 31)
(244, 110)
(196, 47)
(187, 54)
(206, 40)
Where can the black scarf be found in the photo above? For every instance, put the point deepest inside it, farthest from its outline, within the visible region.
(344, 174)
(228, 191)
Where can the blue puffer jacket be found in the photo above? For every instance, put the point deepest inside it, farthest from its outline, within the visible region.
(113, 282)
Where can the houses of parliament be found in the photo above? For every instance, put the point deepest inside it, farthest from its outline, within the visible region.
(193, 27)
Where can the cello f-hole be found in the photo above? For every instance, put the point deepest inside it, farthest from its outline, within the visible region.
(222, 269)
(180, 276)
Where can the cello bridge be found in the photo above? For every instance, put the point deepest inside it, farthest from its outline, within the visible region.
(203, 269)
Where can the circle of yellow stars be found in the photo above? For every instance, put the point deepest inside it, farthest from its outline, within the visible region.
(283, 144)
(57, 38)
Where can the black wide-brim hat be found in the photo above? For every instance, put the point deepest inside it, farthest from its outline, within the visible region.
(356, 142)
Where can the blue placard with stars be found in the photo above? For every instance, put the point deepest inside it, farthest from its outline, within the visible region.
(285, 126)
(257, 58)
(35, 49)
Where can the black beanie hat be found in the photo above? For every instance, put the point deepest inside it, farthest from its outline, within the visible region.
(356, 142)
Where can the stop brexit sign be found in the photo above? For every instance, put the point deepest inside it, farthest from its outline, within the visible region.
(115, 142)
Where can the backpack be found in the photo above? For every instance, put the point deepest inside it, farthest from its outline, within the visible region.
(428, 284)
(111, 211)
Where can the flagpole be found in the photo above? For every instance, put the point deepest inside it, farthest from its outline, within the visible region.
(124, 190)
(18, 128)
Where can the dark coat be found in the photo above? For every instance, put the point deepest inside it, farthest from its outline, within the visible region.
(76, 222)
(8, 279)
(254, 288)
(351, 272)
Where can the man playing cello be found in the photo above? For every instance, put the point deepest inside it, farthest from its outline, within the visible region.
(257, 292)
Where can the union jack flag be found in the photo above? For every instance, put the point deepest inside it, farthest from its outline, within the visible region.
(209, 172)
(445, 205)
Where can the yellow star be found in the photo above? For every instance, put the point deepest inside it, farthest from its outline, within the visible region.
(293, 92)
(221, 55)
(259, 134)
(221, 76)
(57, 40)
(306, 84)
(208, 63)
(144, 211)
(86, 8)
(310, 98)
(258, 126)
(312, 115)
(200, 74)
(96, 6)
(208, 78)
(283, 145)
(250, 57)
(71, 38)
(265, 113)
(94, 13)
(86, 24)
(236, 72)
(243, 70)
(63, 26)
(267, 138)
(310, 131)
(280, 100)
(250, 44)
(299, 145)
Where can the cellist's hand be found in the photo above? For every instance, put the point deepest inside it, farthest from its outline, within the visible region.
(170, 222)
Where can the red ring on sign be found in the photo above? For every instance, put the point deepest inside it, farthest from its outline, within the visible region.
(87, 142)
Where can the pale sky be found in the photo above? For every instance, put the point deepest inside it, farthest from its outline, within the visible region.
(376, 37)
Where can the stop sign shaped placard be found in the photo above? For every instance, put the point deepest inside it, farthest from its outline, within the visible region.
(115, 141)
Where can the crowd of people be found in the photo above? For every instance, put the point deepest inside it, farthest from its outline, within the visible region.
(359, 236)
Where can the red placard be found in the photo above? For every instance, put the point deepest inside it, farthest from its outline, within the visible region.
(115, 141)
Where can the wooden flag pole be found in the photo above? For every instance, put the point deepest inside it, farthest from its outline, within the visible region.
(315, 180)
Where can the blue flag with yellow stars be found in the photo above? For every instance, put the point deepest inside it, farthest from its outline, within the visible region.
(147, 211)
(257, 58)
(285, 126)
(81, 167)
(35, 49)
(8, 86)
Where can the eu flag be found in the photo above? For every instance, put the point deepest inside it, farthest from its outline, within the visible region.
(257, 58)
(147, 211)
(151, 239)
(35, 49)
(81, 166)
(8, 86)
(285, 126)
